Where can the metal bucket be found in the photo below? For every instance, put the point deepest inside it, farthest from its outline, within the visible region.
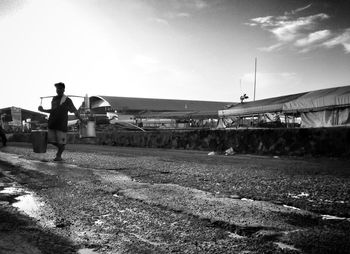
(88, 130)
(39, 141)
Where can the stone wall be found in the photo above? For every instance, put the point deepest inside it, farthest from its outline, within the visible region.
(297, 142)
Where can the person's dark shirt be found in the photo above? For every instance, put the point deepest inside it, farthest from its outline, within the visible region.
(58, 119)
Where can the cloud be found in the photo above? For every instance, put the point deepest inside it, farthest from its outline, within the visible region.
(313, 38)
(289, 30)
(161, 21)
(271, 48)
(11, 6)
(347, 47)
(299, 9)
(183, 14)
(301, 33)
(264, 21)
(285, 28)
(341, 39)
(190, 4)
(166, 11)
(200, 4)
(171, 15)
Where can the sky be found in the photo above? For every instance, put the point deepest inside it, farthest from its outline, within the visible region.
(171, 49)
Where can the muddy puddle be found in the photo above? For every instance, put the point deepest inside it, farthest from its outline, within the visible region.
(87, 251)
(332, 217)
(30, 204)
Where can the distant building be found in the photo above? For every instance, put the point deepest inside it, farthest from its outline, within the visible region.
(14, 119)
(149, 112)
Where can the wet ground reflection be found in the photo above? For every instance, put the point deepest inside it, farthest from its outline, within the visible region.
(86, 251)
(30, 204)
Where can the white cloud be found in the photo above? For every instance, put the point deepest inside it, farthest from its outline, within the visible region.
(161, 21)
(192, 4)
(313, 38)
(200, 4)
(183, 14)
(286, 29)
(178, 9)
(271, 48)
(289, 30)
(301, 33)
(264, 21)
(299, 9)
(188, 6)
(341, 39)
(347, 47)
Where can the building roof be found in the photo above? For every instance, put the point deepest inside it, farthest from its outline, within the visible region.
(319, 100)
(269, 105)
(25, 114)
(131, 104)
(302, 102)
(182, 115)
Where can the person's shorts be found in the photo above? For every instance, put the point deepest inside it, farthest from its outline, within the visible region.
(56, 137)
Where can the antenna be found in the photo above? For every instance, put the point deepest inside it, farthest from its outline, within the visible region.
(255, 77)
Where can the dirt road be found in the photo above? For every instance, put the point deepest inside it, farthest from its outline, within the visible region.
(128, 200)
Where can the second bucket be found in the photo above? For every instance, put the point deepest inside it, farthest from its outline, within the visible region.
(88, 130)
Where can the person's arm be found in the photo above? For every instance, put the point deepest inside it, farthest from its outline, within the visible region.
(74, 110)
(76, 113)
(41, 109)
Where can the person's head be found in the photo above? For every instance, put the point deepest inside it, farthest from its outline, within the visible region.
(60, 88)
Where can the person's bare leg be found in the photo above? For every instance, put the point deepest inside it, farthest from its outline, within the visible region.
(56, 144)
(60, 149)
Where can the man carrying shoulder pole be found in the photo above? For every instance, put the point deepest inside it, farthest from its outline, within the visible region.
(58, 119)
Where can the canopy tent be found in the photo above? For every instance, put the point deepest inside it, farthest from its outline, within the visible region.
(322, 108)
(269, 105)
(326, 118)
(336, 97)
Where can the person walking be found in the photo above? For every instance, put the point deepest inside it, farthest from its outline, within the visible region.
(58, 119)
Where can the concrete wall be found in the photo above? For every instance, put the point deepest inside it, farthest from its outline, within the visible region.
(297, 142)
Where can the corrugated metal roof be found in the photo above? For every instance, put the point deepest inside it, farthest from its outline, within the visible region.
(182, 115)
(131, 104)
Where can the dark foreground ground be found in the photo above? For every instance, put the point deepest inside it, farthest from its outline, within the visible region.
(106, 199)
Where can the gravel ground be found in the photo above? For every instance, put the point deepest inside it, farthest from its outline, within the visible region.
(319, 185)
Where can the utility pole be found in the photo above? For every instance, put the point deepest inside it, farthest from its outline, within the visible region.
(255, 78)
(240, 85)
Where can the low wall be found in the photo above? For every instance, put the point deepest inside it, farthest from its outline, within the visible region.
(297, 142)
